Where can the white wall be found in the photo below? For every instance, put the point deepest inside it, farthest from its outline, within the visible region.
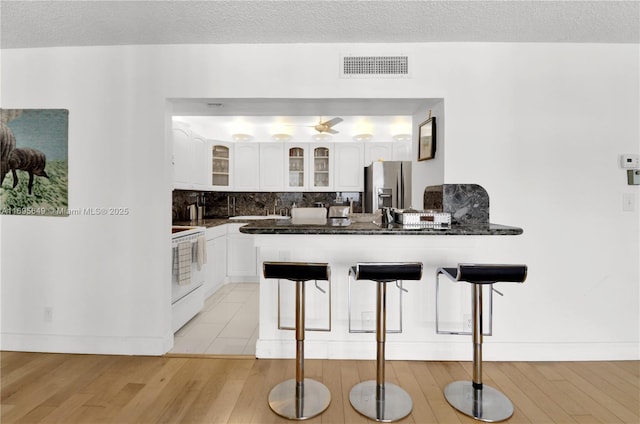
(428, 172)
(538, 125)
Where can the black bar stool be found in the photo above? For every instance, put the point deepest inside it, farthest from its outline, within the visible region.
(300, 398)
(473, 398)
(377, 399)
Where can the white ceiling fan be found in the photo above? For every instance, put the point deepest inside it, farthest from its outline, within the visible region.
(326, 126)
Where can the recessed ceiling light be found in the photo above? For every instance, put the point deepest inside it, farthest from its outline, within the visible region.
(402, 137)
(321, 137)
(241, 137)
(363, 137)
(281, 137)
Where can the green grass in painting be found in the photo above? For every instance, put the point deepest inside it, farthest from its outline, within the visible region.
(48, 194)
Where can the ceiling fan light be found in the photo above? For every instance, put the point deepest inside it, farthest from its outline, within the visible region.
(321, 137)
(402, 137)
(281, 137)
(241, 137)
(363, 137)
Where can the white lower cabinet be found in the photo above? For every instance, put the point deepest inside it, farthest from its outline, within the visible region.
(216, 259)
(241, 255)
(231, 258)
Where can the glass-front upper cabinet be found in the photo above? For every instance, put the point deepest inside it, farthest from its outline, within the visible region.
(220, 169)
(296, 167)
(321, 168)
(309, 167)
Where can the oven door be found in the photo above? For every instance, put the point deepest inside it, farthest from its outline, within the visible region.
(185, 255)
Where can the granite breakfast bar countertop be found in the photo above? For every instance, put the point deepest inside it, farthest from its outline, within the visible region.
(371, 228)
(273, 226)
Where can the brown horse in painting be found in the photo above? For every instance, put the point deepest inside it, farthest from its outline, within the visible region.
(26, 159)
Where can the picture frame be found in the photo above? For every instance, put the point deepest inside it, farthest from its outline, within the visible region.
(427, 139)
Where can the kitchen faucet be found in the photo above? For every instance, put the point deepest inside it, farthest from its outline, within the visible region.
(231, 205)
(275, 206)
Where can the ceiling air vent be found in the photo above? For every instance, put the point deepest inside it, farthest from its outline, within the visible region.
(375, 66)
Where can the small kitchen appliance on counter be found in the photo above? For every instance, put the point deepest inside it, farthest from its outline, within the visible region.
(339, 216)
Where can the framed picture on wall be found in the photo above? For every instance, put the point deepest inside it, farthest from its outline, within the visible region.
(427, 139)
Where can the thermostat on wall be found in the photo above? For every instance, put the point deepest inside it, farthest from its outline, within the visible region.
(630, 161)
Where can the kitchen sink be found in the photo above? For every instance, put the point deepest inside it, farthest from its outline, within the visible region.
(254, 217)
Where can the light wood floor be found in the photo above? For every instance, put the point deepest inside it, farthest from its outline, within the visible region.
(92, 389)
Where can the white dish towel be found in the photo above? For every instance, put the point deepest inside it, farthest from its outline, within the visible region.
(201, 251)
(184, 263)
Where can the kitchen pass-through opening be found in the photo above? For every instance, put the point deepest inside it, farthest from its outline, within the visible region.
(227, 325)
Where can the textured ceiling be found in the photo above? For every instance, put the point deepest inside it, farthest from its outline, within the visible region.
(27, 24)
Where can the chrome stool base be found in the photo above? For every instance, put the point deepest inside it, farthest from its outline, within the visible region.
(396, 404)
(313, 400)
(487, 404)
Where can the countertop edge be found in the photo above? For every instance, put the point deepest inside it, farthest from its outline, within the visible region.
(273, 227)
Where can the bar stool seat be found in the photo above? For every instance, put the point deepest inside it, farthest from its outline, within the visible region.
(473, 398)
(377, 399)
(300, 398)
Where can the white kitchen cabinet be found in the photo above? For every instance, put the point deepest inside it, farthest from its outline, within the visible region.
(295, 167)
(348, 167)
(321, 159)
(216, 273)
(189, 168)
(220, 157)
(309, 167)
(200, 168)
(271, 166)
(402, 150)
(246, 163)
(241, 255)
(376, 151)
(181, 156)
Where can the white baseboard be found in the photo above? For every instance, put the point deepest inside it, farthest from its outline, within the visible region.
(458, 351)
(317, 349)
(154, 346)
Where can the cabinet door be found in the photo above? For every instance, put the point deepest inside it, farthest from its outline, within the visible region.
(217, 264)
(271, 165)
(199, 162)
(295, 178)
(402, 150)
(241, 255)
(374, 152)
(321, 167)
(220, 156)
(246, 163)
(348, 169)
(181, 158)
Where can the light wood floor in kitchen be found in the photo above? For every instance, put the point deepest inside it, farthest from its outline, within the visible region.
(228, 324)
(92, 389)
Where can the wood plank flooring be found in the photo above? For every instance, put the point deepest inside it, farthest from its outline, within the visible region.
(94, 389)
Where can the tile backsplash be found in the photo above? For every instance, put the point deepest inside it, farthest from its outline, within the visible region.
(220, 204)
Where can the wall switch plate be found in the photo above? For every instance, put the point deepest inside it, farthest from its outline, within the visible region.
(48, 314)
(628, 202)
(629, 161)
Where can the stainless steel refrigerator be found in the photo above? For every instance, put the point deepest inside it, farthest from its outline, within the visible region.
(387, 184)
